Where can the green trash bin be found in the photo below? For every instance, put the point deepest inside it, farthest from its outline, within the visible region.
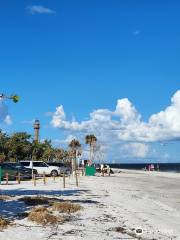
(90, 171)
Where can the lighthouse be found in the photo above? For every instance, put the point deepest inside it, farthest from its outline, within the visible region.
(36, 127)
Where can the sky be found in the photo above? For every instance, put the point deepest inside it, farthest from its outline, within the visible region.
(106, 67)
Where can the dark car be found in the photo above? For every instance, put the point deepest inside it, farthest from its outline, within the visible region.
(13, 169)
(23, 168)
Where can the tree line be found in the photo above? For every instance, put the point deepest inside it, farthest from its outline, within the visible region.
(20, 146)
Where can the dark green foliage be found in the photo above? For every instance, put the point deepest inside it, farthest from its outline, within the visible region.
(20, 146)
(90, 139)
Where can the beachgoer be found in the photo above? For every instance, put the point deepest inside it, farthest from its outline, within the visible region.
(108, 170)
(152, 167)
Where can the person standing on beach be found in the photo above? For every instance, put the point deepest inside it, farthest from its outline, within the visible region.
(108, 170)
(157, 167)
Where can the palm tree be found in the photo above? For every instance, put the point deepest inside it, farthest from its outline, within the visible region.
(91, 141)
(74, 145)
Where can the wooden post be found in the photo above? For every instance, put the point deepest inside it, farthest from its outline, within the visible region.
(54, 178)
(19, 178)
(76, 180)
(34, 179)
(0, 174)
(64, 180)
(44, 178)
(82, 172)
(7, 178)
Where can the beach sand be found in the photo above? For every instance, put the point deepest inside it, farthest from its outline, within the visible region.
(125, 201)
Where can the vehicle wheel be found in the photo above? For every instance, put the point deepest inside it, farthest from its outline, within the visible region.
(54, 173)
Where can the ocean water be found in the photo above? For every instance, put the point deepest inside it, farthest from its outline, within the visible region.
(164, 167)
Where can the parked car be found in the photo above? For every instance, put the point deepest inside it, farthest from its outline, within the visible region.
(62, 167)
(14, 169)
(19, 166)
(41, 167)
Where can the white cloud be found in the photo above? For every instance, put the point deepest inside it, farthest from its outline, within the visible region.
(169, 119)
(126, 111)
(8, 120)
(65, 141)
(38, 9)
(4, 117)
(125, 123)
(3, 110)
(134, 149)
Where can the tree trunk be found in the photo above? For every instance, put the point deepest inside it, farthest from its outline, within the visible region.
(90, 157)
(74, 162)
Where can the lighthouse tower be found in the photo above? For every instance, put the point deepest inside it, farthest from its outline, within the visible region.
(36, 127)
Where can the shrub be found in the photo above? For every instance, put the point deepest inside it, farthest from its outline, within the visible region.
(3, 223)
(33, 201)
(66, 207)
(42, 216)
(4, 197)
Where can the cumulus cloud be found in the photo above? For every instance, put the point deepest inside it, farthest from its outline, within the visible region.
(8, 120)
(38, 9)
(134, 149)
(126, 111)
(169, 119)
(4, 116)
(3, 111)
(65, 141)
(125, 123)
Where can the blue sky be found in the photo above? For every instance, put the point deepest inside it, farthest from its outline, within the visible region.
(85, 55)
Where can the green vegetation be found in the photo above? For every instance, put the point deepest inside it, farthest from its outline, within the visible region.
(74, 147)
(20, 146)
(15, 98)
(91, 141)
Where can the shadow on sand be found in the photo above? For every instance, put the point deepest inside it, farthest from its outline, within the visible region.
(11, 209)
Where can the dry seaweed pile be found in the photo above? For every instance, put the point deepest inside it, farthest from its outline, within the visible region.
(48, 211)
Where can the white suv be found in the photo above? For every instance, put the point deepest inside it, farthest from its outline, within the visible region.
(41, 167)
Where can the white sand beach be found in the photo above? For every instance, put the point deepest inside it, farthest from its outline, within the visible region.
(127, 200)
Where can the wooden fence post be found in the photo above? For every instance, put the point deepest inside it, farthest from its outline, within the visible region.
(76, 180)
(19, 178)
(7, 178)
(0, 175)
(64, 180)
(34, 179)
(44, 178)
